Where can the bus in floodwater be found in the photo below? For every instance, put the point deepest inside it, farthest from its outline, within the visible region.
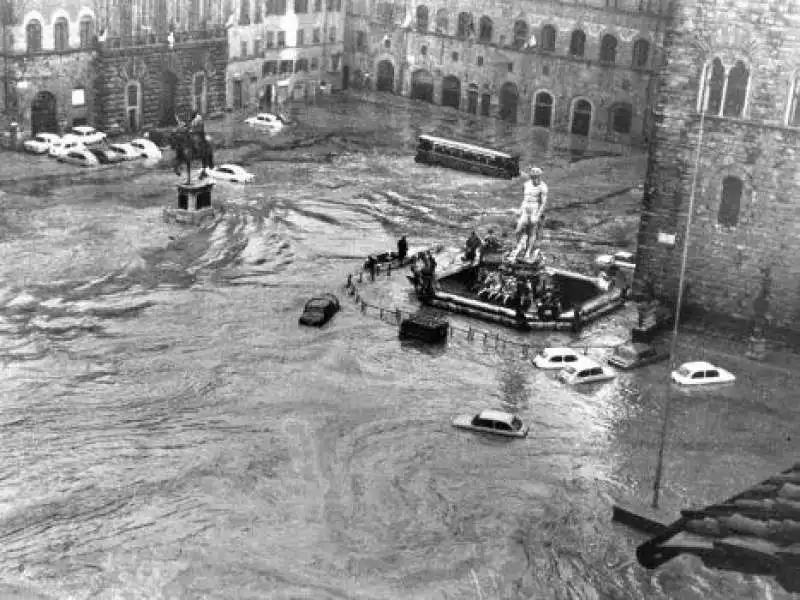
(466, 157)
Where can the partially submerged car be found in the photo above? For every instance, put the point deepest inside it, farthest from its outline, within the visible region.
(319, 310)
(41, 143)
(88, 135)
(623, 260)
(585, 370)
(493, 421)
(146, 148)
(701, 373)
(265, 121)
(631, 356)
(105, 155)
(80, 157)
(232, 173)
(556, 358)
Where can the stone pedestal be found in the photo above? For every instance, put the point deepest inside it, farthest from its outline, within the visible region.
(193, 206)
(756, 348)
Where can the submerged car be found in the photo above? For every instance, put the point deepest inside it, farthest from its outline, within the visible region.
(631, 356)
(105, 155)
(125, 151)
(319, 310)
(88, 135)
(146, 148)
(585, 370)
(232, 173)
(81, 157)
(265, 121)
(64, 145)
(493, 421)
(41, 143)
(701, 373)
(556, 358)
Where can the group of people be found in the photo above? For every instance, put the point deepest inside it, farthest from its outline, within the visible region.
(424, 273)
(475, 244)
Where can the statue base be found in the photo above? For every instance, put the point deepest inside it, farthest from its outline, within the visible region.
(188, 217)
(193, 206)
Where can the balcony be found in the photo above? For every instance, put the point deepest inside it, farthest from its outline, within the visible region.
(181, 37)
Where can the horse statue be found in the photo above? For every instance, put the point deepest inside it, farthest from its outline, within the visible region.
(188, 145)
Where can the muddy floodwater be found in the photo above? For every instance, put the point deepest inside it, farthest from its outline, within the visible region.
(169, 431)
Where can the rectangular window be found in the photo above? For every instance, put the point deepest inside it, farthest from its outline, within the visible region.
(281, 39)
(280, 7)
(317, 35)
(258, 16)
(270, 67)
(301, 66)
(87, 31)
(332, 34)
(329, 5)
(300, 6)
(361, 40)
(243, 49)
(314, 64)
(78, 97)
(256, 47)
(338, 5)
(286, 67)
(335, 63)
(317, 6)
(300, 37)
(244, 14)
(270, 39)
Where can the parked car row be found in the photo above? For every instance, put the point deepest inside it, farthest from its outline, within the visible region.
(85, 146)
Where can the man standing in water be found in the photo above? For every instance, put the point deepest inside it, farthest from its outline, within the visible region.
(530, 214)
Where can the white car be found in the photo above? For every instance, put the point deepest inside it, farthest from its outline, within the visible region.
(585, 370)
(81, 156)
(624, 260)
(64, 145)
(701, 373)
(493, 421)
(126, 151)
(146, 148)
(265, 121)
(556, 358)
(232, 173)
(88, 135)
(40, 143)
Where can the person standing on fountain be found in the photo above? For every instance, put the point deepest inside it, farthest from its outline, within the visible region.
(402, 249)
(531, 212)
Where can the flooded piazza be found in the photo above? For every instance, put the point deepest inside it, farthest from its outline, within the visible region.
(170, 432)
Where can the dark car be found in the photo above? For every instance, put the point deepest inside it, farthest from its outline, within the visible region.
(319, 310)
(631, 356)
(105, 155)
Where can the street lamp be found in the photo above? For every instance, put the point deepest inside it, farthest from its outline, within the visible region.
(681, 282)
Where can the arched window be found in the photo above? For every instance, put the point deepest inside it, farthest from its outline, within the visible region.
(465, 25)
(736, 90)
(33, 36)
(793, 115)
(641, 52)
(608, 49)
(548, 42)
(422, 18)
(577, 43)
(442, 23)
(244, 13)
(61, 34)
(87, 31)
(725, 93)
(730, 202)
(520, 34)
(621, 117)
(485, 30)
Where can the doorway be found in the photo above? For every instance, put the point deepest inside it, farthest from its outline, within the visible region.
(43, 113)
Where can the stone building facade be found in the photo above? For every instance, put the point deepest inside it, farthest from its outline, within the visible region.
(48, 64)
(727, 135)
(283, 49)
(585, 68)
(159, 60)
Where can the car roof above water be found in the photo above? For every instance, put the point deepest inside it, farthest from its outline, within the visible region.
(496, 415)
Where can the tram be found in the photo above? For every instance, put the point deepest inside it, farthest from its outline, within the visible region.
(466, 157)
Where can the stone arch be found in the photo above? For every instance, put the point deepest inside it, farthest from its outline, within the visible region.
(473, 94)
(544, 106)
(581, 115)
(31, 15)
(731, 192)
(422, 85)
(59, 13)
(451, 91)
(620, 117)
(384, 75)
(548, 37)
(86, 11)
(133, 105)
(44, 113)
(509, 101)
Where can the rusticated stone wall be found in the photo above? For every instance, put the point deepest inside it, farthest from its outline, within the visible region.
(729, 244)
(165, 77)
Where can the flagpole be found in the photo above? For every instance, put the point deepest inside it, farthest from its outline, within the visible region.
(679, 302)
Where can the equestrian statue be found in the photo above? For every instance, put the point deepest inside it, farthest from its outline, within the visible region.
(189, 141)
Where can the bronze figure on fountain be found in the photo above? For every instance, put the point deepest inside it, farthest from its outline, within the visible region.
(189, 141)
